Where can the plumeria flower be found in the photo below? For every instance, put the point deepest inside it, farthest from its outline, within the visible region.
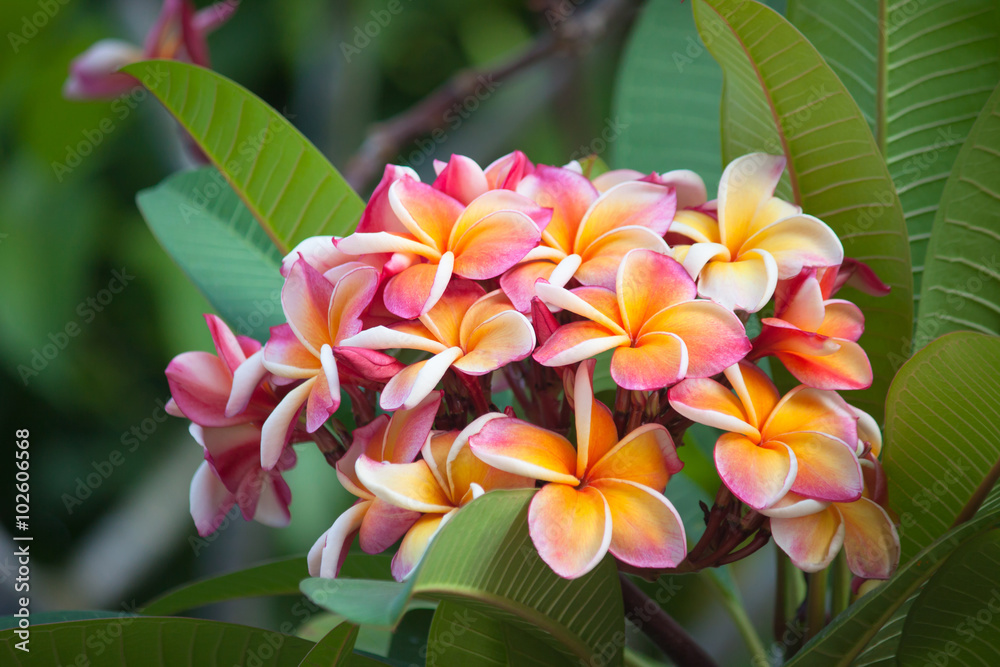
(813, 532)
(397, 439)
(320, 316)
(200, 386)
(660, 333)
(757, 239)
(178, 34)
(478, 241)
(804, 442)
(589, 232)
(463, 179)
(606, 495)
(815, 336)
(468, 330)
(689, 186)
(433, 488)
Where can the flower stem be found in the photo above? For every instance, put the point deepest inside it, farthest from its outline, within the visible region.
(816, 603)
(663, 630)
(733, 605)
(841, 585)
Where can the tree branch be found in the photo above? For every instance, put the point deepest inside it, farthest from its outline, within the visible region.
(572, 36)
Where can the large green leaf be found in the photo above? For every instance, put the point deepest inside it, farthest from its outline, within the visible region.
(334, 650)
(961, 288)
(460, 636)
(204, 226)
(942, 433)
(956, 611)
(129, 641)
(289, 186)
(280, 577)
(920, 72)
(780, 97)
(484, 559)
(850, 632)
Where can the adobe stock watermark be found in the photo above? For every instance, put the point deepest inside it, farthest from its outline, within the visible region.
(454, 116)
(32, 24)
(59, 340)
(364, 34)
(93, 137)
(103, 469)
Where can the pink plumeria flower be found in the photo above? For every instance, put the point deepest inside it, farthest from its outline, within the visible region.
(757, 239)
(200, 386)
(468, 330)
(805, 442)
(589, 232)
(605, 495)
(689, 186)
(434, 488)
(660, 333)
(479, 241)
(396, 439)
(814, 336)
(813, 532)
(178, 34)
(462, 178)
(308, 348)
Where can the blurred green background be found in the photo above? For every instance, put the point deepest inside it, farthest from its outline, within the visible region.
(109, 502)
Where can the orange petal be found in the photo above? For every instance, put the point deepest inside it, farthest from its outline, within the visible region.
(707, 354)
(426, 213)
(747, 283)
(758, 475)
(658, 360)
(803, 304)
(627, 204)
(871, 541)
(412, 384)
(755, 390)
(797, 242)
(525, 449)
(596, 433)
(570, 528)
(646, 530)
(588, 302)
(410, 486)
(698, 227)
(828, 468)
(811, 541)
(842, 320)
(647, 282)
(494, 244)
(576, 341)
(808, 409)
(603, 257)
(351, 296)
(409, 429)
(504, 338)
(567, 193)
(705, 401)
(846, 368)
(645, 456)
(444, 320)
(415, 543)
(519, 283)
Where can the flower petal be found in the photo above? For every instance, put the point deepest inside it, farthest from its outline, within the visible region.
(327, 555)
(705, 401)
(360, 243)
(403, 336)
(507, 172)
(305, 299)
(409, 430)
(596, 433)
(588, 302)
(627, 204)
(426, 213)
(415, 543)
(519, 282)
(378, 215)
(603, 257)
(445, 319)
(462, 179)
(846, 368)
(412, 384)
(351, 296)
(277, 429)
(744, 284)
(758, 475)
(646, 530)
(808, 409)
(755, 390)
(287, 357)
(415, 289)
(410, 486)
(384, 524)
(811, 541)
(796, 242)
(576, 341)
(871, 541)
(210, 500)
(570, 528)
(568, 194)
(645, 456)
(466, 472)
(828, 468)
(200, 384)
(696, 226)
(324, 397)
(500, 340)
(747, 183)
(494, 244)
(656, 361)
(842, 319)
(525, 449)
(647, 282)
(707, 354)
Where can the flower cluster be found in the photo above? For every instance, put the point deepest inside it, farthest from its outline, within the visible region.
(473, 322)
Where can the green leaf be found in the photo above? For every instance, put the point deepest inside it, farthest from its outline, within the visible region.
(45, 617)
(881, 651)
(961, 288)
(780, 97)
(920, 72)
(334, 650)
(484, 559)
(954, 615)
(460, 636)
(207, 230)
(125, 641)
(942, 422)
(279, 577)
(844, 639)
(288, 185)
